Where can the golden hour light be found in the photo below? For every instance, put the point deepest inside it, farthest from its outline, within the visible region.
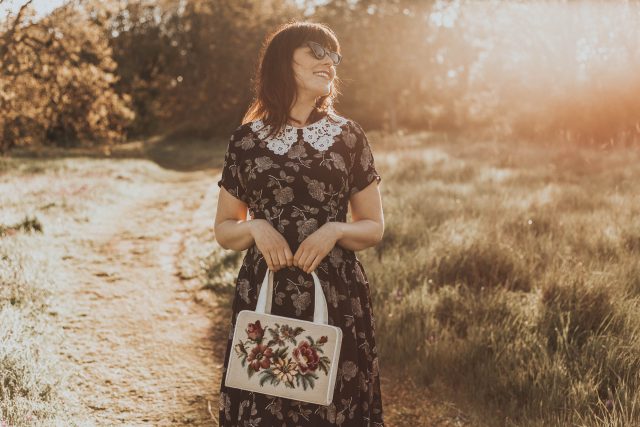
(328, 213)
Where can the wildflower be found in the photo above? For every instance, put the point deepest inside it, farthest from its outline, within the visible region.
(306, 357)
(255, 331)
(285, 370)
(260, 357)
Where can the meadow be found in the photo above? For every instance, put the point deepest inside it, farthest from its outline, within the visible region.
(508, 278)
(510, 272)
(507, 281)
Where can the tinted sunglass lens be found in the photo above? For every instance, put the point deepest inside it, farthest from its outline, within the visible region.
(319, 52)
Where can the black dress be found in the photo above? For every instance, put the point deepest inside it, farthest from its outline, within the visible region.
(299, 180)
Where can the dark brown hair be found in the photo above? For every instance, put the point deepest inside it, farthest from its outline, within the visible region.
(275, 85)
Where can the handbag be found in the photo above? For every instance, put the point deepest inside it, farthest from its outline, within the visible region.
(283, 356)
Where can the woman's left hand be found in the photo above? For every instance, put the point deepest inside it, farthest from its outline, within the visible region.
(315, 247)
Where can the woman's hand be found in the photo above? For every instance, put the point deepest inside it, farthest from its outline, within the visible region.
(271, 244)
(315, 247)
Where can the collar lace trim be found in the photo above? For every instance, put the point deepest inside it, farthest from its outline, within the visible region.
(320, 135)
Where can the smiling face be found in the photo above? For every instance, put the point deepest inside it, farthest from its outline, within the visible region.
(308, 71)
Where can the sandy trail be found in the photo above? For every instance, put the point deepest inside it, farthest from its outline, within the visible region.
(143, 347)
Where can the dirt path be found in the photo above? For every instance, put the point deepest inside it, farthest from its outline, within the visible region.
(142, 345)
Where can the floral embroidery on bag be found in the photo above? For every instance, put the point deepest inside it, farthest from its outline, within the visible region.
(274, 363)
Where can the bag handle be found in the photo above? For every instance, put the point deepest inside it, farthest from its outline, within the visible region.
(320, 313)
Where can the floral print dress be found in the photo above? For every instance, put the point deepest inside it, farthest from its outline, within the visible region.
(299, 180)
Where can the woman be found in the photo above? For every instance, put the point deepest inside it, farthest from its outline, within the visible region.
(296, 165)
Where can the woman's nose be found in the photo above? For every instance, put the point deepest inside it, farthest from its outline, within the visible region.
(326, 59)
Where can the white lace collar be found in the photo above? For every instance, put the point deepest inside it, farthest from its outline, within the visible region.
(320, 135)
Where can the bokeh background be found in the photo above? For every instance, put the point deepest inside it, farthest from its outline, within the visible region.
(107, 71)
(507, 133)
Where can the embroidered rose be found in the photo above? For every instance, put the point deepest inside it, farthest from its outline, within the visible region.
(246, 142)
(335, 256)
(301, 302)
(338, 161)
(297, 151)
(260, 357)
(349, 370)
(255, 331)
(350, 139)
(263, 163)
(322, 340)
(365, 159)
(315, 188)
(306, 357)
(305, 228)
(283, 195)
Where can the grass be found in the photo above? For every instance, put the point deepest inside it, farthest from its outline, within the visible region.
(508, 275)
(31, 384)
(40, 200)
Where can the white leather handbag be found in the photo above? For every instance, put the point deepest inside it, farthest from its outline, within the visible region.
(283, 356)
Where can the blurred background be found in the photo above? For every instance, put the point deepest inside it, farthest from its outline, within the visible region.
(506, 287)
(88, 72)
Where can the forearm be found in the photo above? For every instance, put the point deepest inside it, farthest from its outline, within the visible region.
(234, 235)
(358, 235)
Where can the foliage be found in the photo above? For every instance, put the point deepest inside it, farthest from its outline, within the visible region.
(103, 71)
(505, 287)
(57, 82)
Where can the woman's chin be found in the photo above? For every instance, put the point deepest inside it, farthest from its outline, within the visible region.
(319, 90)
(324, 90)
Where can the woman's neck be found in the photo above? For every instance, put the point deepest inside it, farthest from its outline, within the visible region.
(301, 112)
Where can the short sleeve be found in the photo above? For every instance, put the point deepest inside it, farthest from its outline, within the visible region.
(231, 178)
(363, 169)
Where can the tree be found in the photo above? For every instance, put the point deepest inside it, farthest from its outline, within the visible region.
(57, 81)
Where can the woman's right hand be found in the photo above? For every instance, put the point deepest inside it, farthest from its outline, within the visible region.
(271, 244)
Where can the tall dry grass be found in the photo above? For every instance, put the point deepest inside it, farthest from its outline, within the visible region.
(510, 275)
(31, 382)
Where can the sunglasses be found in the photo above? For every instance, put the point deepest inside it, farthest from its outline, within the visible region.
(320, 52)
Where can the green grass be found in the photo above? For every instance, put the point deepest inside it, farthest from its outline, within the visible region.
(509, 274)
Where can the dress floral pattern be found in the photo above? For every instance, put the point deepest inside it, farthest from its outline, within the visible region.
(298, 180)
